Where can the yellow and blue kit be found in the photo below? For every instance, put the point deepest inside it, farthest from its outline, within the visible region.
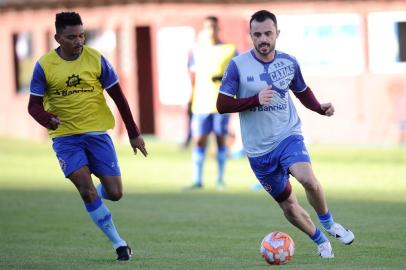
(73, 90)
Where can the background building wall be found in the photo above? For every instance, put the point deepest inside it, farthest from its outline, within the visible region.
(363, 94)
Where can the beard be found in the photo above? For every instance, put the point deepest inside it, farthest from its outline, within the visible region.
(264, 48)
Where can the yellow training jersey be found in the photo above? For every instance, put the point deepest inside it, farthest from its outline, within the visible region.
(209, 64)
(73, 90)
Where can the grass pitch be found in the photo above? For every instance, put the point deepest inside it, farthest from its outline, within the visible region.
(43, 224)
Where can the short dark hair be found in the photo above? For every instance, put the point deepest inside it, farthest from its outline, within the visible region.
(214, 19)
(263, 15)
(64, 19)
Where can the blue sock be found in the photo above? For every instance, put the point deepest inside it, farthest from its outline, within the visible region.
(319, 237)
(198, 157)
(326, 220)
(221, 161)
(101, 216)
(101, 192)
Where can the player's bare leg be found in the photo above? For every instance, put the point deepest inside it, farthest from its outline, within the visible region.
(82, 180)
(201, 141)
(111, 187)
(98, 212)
(303, 172)
(297, 215)
(301, 219)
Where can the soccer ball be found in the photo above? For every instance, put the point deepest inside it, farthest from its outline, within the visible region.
(277, 248)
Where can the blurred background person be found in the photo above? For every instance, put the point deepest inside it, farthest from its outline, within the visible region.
(234, 140)
(189, 114)
(207, 64)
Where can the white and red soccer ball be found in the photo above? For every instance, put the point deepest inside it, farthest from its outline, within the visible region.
(277, 248)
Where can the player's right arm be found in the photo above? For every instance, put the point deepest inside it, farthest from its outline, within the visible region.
(35, 105)
(226, 101)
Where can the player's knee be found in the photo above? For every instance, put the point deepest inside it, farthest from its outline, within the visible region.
(201, 141)
(88, 194)
(115, 195)
(290, 208)
(294, 211)
(309, 182)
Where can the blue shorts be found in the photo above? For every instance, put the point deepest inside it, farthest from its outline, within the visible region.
(95, 151)
(203, 124)
(272, 169)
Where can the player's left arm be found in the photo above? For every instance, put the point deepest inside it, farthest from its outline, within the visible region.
(109, 80)
(306, 96)
(134, 134)
(308, 99)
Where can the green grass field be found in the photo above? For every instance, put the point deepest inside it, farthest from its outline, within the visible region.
(43, 224)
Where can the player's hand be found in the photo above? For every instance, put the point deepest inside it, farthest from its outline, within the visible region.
(265, 95)
(54, 122)
(328, 109)
(138, 143)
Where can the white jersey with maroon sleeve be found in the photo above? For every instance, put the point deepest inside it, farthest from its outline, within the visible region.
(264, 127)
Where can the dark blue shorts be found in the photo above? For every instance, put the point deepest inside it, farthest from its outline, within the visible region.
(272, 169)
(95, 151)
(203, 124)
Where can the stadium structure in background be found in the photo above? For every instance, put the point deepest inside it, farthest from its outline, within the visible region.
(352, 53)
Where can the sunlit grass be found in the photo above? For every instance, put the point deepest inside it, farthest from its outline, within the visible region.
(43, 224)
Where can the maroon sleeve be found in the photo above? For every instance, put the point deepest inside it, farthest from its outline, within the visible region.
(118, 97)
(37, 111)
(227, 104)
(308, 99)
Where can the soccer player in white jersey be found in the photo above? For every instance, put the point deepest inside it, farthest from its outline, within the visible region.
(256, 84)
(67, 98)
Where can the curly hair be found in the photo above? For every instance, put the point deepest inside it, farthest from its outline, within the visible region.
(64, 19)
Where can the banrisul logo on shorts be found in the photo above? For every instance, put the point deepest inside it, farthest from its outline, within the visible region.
(269, 108)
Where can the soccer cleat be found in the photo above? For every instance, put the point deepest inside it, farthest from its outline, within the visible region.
(220, 186)
(124, 253)
(193, 187)
(342, 234)
(325, 250)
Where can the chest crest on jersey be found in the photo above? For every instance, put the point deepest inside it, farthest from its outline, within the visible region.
(73, 80)
(278, 74)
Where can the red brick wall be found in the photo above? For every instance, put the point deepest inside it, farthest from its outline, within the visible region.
(364, 113)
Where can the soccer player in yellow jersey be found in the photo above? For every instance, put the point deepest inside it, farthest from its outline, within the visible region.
(67, 98)
(207, 65)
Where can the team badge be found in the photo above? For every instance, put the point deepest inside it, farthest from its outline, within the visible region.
(73, 80)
